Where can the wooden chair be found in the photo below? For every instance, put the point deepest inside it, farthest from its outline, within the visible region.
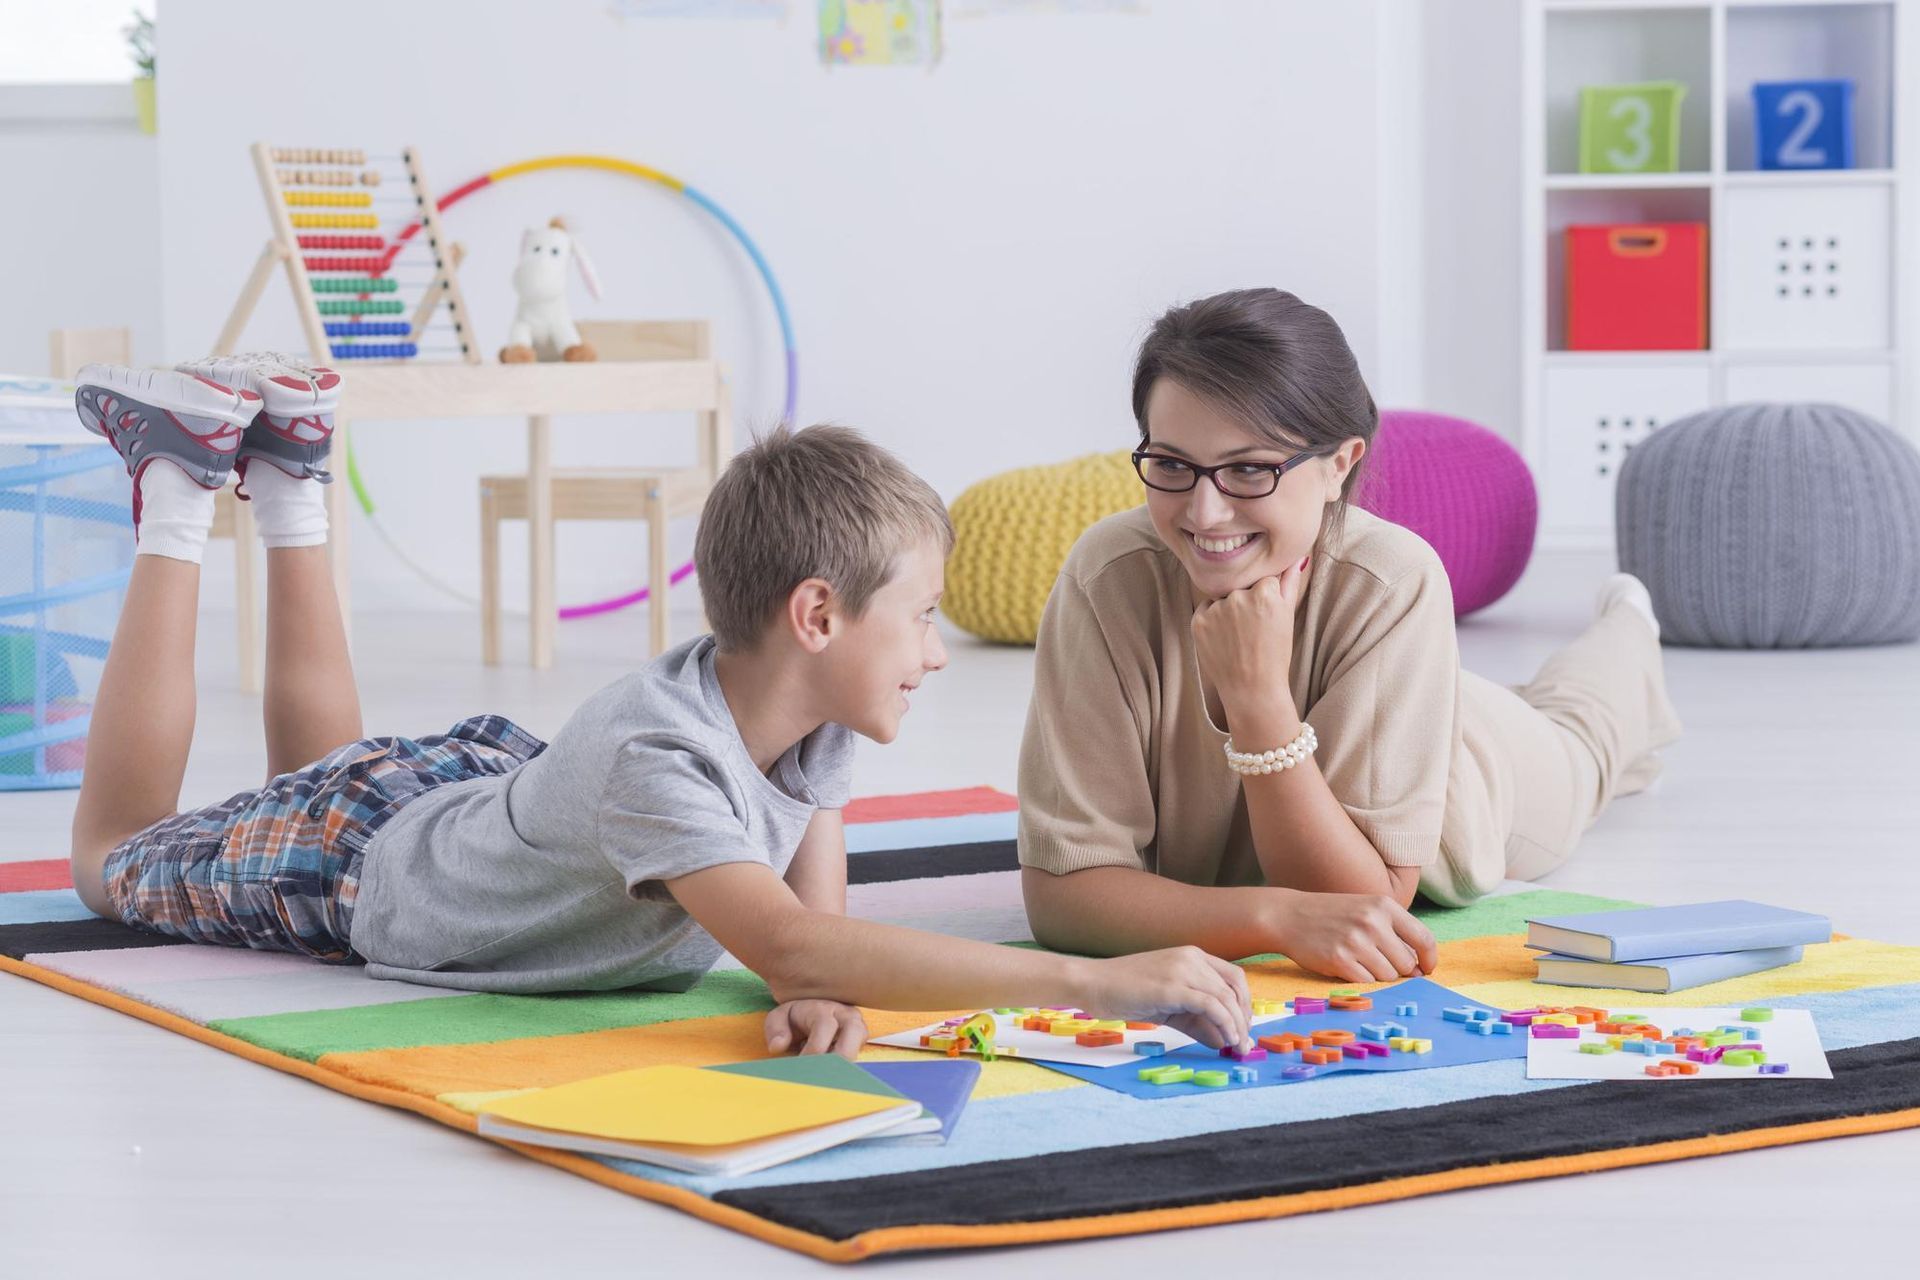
(653, 495)
(71, 348)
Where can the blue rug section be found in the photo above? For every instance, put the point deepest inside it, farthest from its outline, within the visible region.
(1090, 1119)
(42, 906)
(931, 833)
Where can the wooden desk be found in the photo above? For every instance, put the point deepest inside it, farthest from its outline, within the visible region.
(535, 392)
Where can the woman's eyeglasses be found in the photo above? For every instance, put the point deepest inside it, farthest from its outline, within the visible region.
(1169, 474)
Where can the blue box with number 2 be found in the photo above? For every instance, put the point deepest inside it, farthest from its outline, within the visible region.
(1803, 124)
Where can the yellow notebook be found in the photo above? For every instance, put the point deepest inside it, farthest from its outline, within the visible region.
(694, 1120)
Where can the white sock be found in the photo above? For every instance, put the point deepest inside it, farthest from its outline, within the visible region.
(175, 514)
(290, 512)
(1624, 588)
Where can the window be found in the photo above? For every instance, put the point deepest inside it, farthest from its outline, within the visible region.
(66, 41)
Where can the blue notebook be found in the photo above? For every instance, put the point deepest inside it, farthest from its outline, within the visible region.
(1674, 973)
(942, 1088)
(1660, 932)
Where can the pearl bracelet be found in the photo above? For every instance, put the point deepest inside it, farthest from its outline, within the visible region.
(1249, 763)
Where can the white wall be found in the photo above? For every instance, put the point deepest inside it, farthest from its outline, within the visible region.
(970, 254)
(79, 188)
(1468, 169)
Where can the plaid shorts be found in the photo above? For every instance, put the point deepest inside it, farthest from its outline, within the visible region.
(278, 869)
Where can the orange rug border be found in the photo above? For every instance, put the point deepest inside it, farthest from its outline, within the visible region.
(887, 1240)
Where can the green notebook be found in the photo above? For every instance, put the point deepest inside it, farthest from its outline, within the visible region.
(831, 1071)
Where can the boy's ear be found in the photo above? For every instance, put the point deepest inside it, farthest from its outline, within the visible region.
(813, 614)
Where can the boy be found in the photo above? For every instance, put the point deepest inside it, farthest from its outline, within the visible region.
(690, 807)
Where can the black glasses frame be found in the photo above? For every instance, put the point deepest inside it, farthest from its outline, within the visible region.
(1144, 455)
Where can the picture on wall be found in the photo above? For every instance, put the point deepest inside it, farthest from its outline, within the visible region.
(718, 9)
(880, 33)
(1024, 8)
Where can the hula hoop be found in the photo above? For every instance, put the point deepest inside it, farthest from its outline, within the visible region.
(703, 201)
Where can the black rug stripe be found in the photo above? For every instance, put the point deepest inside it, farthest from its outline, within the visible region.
(933, 862)
(1317, 1155)
(17, 941)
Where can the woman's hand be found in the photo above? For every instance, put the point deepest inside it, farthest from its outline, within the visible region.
(818, 1026)
(1355, 937)
(1244, 642)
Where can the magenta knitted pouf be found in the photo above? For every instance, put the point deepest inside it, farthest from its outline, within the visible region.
(1462, 488)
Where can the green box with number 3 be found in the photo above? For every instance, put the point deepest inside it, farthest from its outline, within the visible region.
(1631, 128)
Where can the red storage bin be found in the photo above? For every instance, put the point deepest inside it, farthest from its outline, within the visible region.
(1637, 287)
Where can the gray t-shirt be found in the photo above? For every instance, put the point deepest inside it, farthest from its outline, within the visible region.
(549, 878)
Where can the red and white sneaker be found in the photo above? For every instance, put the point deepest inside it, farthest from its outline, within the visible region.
(294, 428)
(194, 422)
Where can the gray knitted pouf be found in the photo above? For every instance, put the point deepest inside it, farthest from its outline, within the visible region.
(1761, 526)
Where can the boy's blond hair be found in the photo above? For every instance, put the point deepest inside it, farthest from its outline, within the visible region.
(823, 502)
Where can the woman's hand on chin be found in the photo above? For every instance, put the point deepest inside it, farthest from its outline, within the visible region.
(1244, 644)
(1355, 937)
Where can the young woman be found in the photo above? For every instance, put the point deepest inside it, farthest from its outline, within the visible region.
(1171, 788)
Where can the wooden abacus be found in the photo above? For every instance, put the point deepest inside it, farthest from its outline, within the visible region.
(324, 202)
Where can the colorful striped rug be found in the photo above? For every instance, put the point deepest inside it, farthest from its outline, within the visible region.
(1038, 1156)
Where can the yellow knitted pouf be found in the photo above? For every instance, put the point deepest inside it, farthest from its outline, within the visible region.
(1012, 533)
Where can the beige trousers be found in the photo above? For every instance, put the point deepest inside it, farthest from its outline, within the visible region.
(1581, 732)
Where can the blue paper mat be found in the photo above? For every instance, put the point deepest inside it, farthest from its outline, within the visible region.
(1453, 1045)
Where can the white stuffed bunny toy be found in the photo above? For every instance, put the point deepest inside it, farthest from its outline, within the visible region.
(543, 327)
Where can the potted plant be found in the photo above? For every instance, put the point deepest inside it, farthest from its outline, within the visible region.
(139, 34)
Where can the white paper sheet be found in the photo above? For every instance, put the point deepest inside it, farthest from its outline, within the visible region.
(1790, 1037)
(1040, 1046)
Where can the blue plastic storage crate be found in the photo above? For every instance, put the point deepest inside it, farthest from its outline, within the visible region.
(66, 552)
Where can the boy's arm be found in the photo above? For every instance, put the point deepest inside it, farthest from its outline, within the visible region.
(808, 954)
(818, 873)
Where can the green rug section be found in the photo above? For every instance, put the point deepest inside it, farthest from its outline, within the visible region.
(483, 1019)
(1509, 913)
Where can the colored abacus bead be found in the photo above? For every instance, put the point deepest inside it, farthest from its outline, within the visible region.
(346, 264)
(327, 199)
(364, 220)
(369, 329)
(374, 350)
(360, 306)
(357, 284)
(340, 242)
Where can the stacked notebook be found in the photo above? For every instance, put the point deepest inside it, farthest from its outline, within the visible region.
(742, 1117)
(1660, 949)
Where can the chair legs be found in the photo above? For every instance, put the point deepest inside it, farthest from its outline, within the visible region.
(655, 508)
(489, 577)
(659, 572)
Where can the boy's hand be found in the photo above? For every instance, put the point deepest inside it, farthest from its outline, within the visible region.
(1356, 937)
(1184, 987)
(817, 1026)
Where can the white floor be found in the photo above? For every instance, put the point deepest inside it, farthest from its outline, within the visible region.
(125, 1147)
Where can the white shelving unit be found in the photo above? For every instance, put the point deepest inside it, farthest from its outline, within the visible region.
(1811, 274)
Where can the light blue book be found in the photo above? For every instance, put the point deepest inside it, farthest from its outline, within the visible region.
(1659, 932)
(1674, 973)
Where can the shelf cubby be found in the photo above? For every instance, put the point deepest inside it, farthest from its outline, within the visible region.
(1772, 42)
(1810, 272)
